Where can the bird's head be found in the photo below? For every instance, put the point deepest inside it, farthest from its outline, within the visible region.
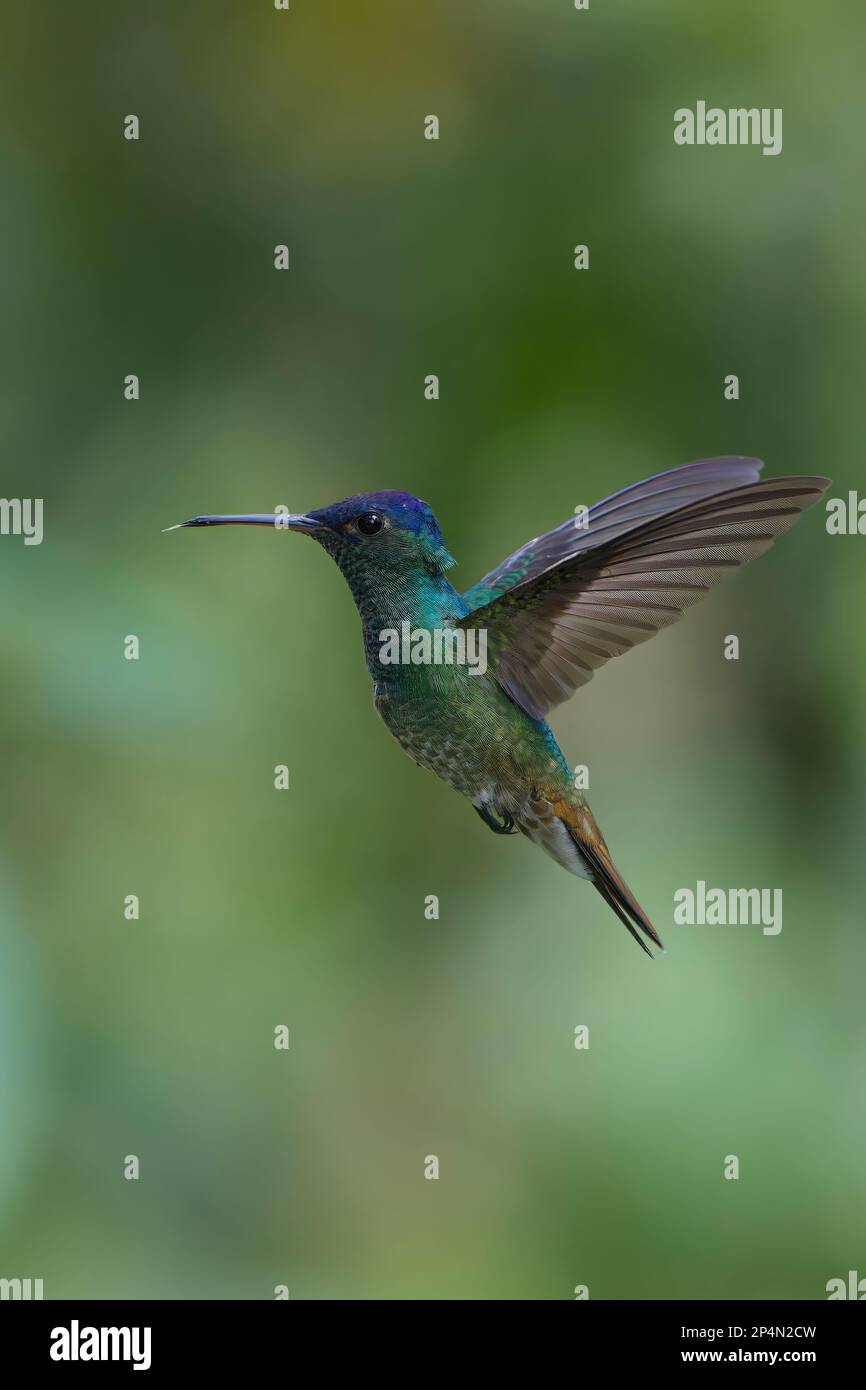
(374, 533)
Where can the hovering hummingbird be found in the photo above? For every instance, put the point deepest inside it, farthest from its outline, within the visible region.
(552, 613)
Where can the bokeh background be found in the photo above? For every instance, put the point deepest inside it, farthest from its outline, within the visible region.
(305, 907)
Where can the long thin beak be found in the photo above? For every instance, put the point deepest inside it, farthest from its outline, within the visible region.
(280, 521)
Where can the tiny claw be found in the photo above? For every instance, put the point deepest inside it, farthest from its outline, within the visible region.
(505, 826)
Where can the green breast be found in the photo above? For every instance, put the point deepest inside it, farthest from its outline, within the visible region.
(466, 730)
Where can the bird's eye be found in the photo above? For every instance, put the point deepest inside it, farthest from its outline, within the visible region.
(369, 523)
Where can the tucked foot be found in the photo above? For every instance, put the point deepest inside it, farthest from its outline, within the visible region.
(503, 827)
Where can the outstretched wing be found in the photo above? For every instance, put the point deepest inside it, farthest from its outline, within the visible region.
(547, 634)
(621, 512)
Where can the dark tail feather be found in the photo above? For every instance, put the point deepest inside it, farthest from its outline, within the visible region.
(617, 895)
(621, 914)
(605, 877)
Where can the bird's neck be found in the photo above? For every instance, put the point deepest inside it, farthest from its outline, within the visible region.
(422, 598)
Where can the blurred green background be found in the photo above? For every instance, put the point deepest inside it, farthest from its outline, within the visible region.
(305, 907)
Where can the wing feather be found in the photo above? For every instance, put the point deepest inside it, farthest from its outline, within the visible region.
(548, 633)
(621, 512)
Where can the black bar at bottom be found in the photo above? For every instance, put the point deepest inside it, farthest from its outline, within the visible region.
(164, 1338)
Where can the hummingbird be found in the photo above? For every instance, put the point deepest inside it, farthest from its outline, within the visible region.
(550, 614)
